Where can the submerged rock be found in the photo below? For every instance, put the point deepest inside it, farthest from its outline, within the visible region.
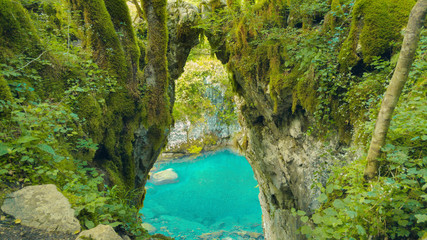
(150, 228)
(100, 232)
(213, 235)
(42, 207)
(165, 177)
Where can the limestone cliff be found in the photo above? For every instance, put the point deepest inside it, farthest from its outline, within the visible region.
(287, 162)
(293, 84)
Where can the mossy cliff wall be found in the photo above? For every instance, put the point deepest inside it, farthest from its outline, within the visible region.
(293, 79)
(130, 117)
(151, 138)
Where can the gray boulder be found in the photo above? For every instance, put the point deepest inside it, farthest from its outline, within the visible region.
(42, 207)
(100, 232)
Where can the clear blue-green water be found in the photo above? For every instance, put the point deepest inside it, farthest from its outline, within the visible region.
(215, 192)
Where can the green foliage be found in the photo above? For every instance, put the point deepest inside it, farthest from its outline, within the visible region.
(194, 149)
(202, 92)
(374, 28)
(61, 105)
(282, 45)
(37, 147)
(393, 206)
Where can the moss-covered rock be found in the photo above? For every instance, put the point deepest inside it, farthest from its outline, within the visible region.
(375, 30)
(17, 33)
(121, 19)
(102, 38)
(22, 47)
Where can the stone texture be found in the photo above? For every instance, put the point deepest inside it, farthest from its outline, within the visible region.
(42, 207)
(165, 177)
(286, 161)
(100, 232)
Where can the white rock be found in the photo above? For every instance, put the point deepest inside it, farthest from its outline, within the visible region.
(42, 207)
(165, 177)
(295, 128)
(100, 232)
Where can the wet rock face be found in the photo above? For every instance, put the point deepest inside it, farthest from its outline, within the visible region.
(42, 207)
(285, 159)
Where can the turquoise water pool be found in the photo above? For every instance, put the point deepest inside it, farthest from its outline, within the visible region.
(215, 193)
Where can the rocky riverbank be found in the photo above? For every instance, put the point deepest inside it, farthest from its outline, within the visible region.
(41, 212)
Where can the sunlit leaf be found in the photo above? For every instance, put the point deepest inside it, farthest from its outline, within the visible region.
(25, 139)
(46, 148)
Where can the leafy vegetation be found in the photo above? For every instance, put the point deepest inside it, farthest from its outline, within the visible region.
(72, 95)
(38, 144)
(56, 102)
(394, 205)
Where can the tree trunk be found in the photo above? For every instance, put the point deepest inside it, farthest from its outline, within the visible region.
(394, 89)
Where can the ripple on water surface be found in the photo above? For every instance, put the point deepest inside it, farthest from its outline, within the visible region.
(215, 193)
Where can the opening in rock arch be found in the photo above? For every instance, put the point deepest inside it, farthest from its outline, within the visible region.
(215, 196)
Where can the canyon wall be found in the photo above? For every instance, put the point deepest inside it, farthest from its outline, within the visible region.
(298, 69)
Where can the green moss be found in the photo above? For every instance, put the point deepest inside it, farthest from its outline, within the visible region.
(115, 176)
(17, 34)
(20, 45)
(306, 92)
(102, 37)
(156, 71)
(142, 51)
(5, 95)
(114, 45)
(121, 19)
(121, 121)
(88, 108)
(376, 25)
